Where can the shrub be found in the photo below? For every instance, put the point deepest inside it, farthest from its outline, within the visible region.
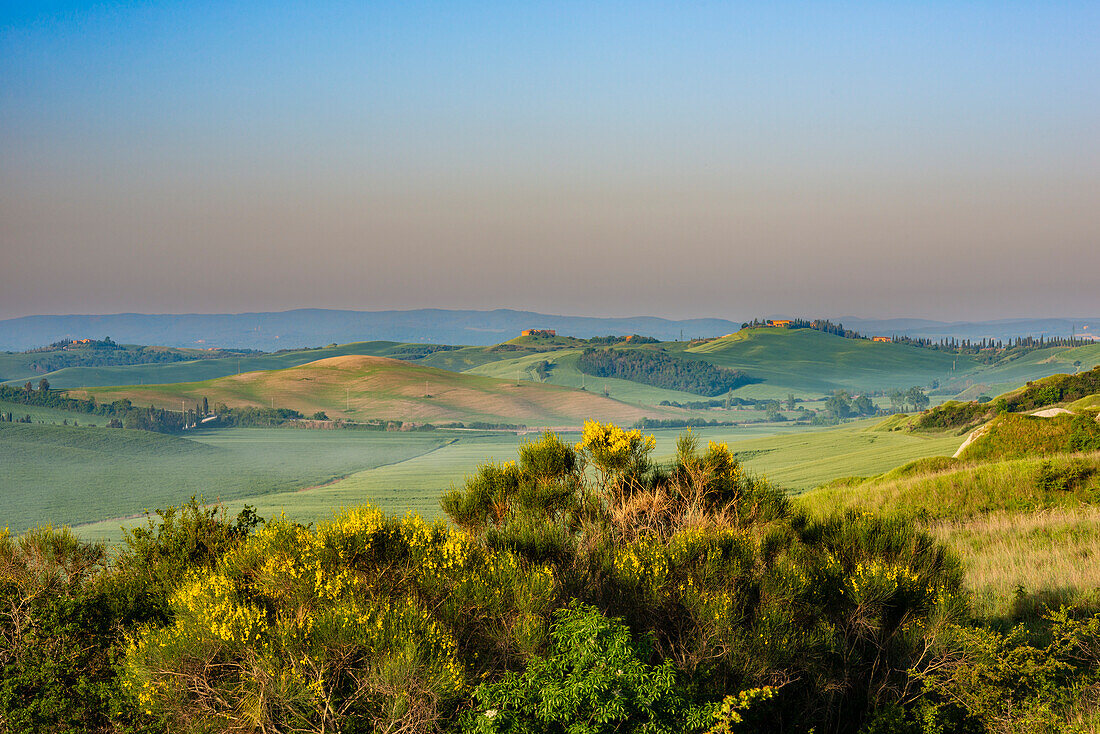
(55, 639)
(594, 679)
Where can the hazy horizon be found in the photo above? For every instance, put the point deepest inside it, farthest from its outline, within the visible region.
(879, 160)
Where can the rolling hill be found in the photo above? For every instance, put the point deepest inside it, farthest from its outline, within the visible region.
(805, 360)
(360, 387)
(1034, 365)
(204, 369)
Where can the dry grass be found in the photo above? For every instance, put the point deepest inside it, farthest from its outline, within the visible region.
(1020, 559)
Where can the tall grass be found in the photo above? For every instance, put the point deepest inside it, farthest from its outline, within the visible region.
(1027, 530)
(1017, 562)
(964, 491)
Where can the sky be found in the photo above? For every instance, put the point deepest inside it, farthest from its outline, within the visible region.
(727, 159)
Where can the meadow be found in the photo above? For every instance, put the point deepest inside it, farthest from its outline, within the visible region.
(796, 458)
(65, 475)
(813, 361)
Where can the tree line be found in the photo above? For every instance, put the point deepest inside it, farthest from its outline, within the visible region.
(124, 414)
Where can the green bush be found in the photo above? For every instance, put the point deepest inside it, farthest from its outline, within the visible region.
(55, 638)
(594, 679)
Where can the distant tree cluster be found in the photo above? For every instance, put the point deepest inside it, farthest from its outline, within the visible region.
(843, 405)
(661, 370)
(654, 423)
(542, 369)
(914, 398)
(124, 414)
(106, 353)
(419, 351)
(824, 325)
(726, 402)
(104, 344)
(607, 341)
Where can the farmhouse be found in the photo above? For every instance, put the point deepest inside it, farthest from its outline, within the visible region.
(784, 323)
(881, 339)
(538, 332)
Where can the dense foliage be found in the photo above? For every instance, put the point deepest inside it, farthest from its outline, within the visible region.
(954, 415)
(726, 402)
(607, 341)
(580, 589)
(1051, 390)
(661, 369)
(419, 351)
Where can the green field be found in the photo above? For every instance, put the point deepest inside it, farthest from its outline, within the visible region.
(41, 414)
(1021, 540)
(813, 361)
(807, 459)
(1038, 364)
(65, 475)
(796, 458)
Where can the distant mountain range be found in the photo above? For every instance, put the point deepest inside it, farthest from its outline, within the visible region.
(317, 327)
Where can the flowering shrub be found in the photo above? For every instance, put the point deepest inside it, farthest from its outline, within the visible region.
(356, 620)
(713, 566)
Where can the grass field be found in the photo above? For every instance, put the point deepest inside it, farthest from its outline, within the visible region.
(792, 457)
(40, 414)
(65, 475)
(1013, 436)
(806, 459)
(1089, 401)
(365, 388)
(1038, 364)
(1021, 540)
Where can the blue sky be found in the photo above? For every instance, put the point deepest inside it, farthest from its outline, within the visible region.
(727, 159)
